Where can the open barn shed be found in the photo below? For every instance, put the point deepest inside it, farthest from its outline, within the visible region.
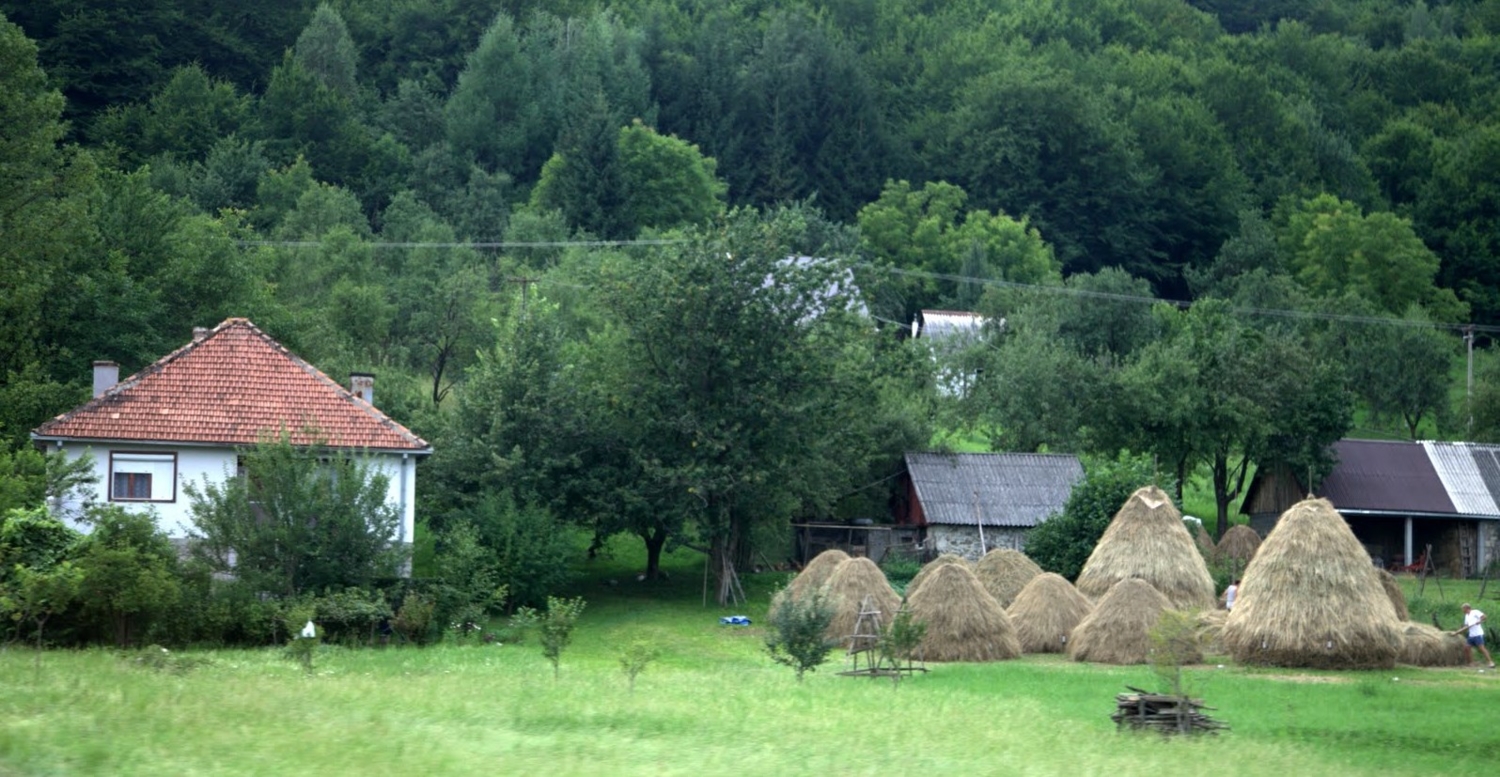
(1399, 498)
(970, 503)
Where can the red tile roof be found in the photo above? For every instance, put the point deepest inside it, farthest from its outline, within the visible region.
(232, 387)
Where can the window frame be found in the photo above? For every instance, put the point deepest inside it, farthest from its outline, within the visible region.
(153, 457)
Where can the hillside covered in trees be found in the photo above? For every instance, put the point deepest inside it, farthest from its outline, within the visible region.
(559, 232)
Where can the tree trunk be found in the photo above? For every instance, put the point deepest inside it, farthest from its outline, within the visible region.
(655, 540)
(1221, 493)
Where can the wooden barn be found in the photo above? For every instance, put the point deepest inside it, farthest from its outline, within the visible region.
(1399, 498)
(971, 503)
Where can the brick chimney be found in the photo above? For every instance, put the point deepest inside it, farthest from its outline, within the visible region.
(106, 375)
(362, 385)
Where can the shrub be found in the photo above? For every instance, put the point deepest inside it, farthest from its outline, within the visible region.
(531, 549)
(554, 627)
(414, 620)
(797, 631)
(352, 616)
(635, 657)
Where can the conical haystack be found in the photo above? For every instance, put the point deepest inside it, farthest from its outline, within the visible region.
(964, 623)
(1424, 645)
(1147, 540)
(1118, 631)
(1045, 613)
(1211, 629)
(1238, 545)
(851, 582)
(1204, 542)
(1393, 592)
(815, 574)
(1310, 598)
(931, 566)
(1004, 572)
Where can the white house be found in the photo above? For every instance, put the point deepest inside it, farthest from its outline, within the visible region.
(187, 417)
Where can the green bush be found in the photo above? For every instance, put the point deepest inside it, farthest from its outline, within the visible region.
(414, 620)
(554, 627)
(352, 616)
(531, 549)
(797, 634)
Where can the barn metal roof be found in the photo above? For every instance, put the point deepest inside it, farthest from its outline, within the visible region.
(1470, 473)
(996, 489)
(1385, 476)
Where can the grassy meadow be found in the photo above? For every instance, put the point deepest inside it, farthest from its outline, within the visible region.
(711, 704)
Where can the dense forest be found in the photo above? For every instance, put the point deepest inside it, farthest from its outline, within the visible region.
(1217, 233)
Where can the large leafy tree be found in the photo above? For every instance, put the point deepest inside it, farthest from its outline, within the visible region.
(750, 375)
(298, 521)
(1217, 392)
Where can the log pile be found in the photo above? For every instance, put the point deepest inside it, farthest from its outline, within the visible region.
(1167, 714)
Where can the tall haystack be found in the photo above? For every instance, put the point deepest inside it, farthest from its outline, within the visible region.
(1147, 540)
(1118, 631)
(1004, 572)
(964, 623)
(1393, 592)
(1211, 629)
(1310, 598)
(931, 566)
(814, 575)
(1045, 613)
(1204, 542)
(1424, 645)
(1238, 545)
(852, 581)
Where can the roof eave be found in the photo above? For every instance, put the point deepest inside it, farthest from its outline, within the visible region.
(424, 451)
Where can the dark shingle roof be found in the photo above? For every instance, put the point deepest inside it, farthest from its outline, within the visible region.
(1383, 476)
(1004, 489)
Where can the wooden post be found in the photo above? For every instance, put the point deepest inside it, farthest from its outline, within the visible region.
(979, 520)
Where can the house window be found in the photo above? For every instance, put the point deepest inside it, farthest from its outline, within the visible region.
(143, 477)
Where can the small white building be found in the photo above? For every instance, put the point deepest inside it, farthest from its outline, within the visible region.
(187, 417)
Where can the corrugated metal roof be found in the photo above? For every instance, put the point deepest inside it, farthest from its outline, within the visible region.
(1002, 489)
(1469, 473)
(231, 388)
(1379, 475)
(941, 324)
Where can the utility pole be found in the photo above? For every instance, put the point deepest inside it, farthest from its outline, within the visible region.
(1469, 392)
(525, 289)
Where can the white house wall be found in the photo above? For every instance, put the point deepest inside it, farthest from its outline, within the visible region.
(964, 540)
(200, 465)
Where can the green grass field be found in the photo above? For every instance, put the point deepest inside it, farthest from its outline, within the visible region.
(712, 704)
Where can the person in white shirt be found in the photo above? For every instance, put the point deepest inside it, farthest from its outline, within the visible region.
(1230, 594)
(1474, 623)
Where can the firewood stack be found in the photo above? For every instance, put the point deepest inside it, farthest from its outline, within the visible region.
(1161, 712)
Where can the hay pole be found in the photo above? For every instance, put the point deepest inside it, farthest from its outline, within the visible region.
(979, 521)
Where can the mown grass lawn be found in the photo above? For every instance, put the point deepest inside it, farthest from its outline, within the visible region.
(712, 704)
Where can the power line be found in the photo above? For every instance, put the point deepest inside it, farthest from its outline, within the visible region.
(1136, 298)
(478, 245)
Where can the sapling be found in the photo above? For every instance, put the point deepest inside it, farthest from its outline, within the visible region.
(554, 627)
(798, 634)
(635, 657)
(899, 642)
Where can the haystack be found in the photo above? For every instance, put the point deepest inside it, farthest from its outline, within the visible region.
(1238, 545)
(1202, 539)
(853, 580)
(1211, 629)
(964, 623)
(1424, 645)
(1310, 598)
(1147, 540)
(1004, 572)
(931, 566)
(1118, 631)
(814, 575)
(1393, 592)
(1045, 613)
